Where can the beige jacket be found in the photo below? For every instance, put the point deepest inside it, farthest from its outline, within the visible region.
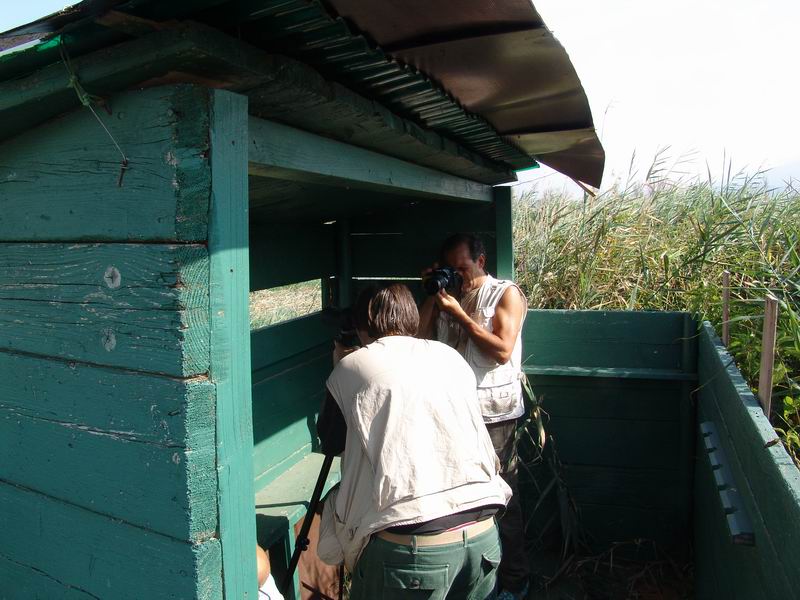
(416, 449)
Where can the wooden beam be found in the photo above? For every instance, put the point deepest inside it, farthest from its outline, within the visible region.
(230, 342)
(283, 152)
(278, 88)
(768, 353)
(726, 308)
(504, 228)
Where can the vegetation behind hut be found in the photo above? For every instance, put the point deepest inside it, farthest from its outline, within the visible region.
(663, 244)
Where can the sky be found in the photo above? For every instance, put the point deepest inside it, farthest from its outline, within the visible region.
(707, 78)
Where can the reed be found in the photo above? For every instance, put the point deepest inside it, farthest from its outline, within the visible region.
(663, 244)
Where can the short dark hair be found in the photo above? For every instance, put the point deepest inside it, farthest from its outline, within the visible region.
(386, 310)
(472, 242)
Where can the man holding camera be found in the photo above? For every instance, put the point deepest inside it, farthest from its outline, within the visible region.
(414, 515)
(481, 317)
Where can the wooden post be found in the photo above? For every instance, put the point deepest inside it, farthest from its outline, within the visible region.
(726, 309)
(767, 353)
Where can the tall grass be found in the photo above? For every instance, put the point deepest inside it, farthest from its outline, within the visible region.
(663, 245)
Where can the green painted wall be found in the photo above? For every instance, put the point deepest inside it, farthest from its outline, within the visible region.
(767, 481)
(108, 483)
(616, 390)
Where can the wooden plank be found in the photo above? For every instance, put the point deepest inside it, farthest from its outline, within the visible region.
(20, 582)
(504, 242)
(430, 219)
(286, 400)
(400, 255)
(284, 501)
(167, 488)
(283, 152)
(278, 87)
(616, 442)
(658, 489)
(623, 399)
(144, 408)
(766, 563)
(610, 339)
(609, 524)
(60, 181)
(101, 556)
(771, 485)
(767, 354)
(230, 341)
(137, 306)
(608, 373)
(275, 343)
(291, 253)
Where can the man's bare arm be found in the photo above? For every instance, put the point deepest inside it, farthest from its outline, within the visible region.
(499, 343)
(427, 319)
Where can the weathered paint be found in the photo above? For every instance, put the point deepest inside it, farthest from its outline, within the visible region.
(766, 479)
(59, 181)
(277, 150)
(230, 340)
(141, 307)
(48, 540)
(109, 487)
(611, 384)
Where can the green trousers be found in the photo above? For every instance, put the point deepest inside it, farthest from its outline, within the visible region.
(466, 570)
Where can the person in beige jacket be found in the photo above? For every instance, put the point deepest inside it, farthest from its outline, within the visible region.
(420, 487)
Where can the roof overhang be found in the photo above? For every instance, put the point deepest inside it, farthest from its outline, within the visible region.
(489, 77)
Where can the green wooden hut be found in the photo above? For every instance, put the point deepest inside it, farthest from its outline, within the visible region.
(160, 160)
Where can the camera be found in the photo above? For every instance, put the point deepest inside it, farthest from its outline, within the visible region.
(445, 278)
(344, 323)
(347, 336)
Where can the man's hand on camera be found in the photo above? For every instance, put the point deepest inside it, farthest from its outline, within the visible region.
(426, 272)
(448, 304)
(339, 352)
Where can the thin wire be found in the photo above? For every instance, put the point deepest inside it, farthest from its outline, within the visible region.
(86, 99)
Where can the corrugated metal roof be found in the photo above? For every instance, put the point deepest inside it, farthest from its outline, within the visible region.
(487, 75)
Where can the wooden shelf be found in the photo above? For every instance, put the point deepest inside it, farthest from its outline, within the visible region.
(283, 502)
(609, 372)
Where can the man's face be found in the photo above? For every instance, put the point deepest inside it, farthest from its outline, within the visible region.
(460, 259)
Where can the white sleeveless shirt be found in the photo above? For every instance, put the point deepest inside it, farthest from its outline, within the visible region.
(416, 446)
(499, 386)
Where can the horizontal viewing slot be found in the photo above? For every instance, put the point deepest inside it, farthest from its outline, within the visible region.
(279, 304)
(609, 372)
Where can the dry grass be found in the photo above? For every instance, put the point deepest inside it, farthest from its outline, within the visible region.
(268, 307)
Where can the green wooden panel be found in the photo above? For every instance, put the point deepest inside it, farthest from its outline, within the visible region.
(623, 399)
(429, 219)
(138, 306)
(504, 243)
(609, 524)
(767, 480)
(290, 253)
(230, 341)
(649, 340)
(279, 88)
(169, 489)
(283, 152)
(275, 343)
(141, 407)
(99, 555)
(20, 582)
(284, 501)
(540, 372)
(617, 442)
(286, 398)
(400, 255)
(658, 489)
(60, 181)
